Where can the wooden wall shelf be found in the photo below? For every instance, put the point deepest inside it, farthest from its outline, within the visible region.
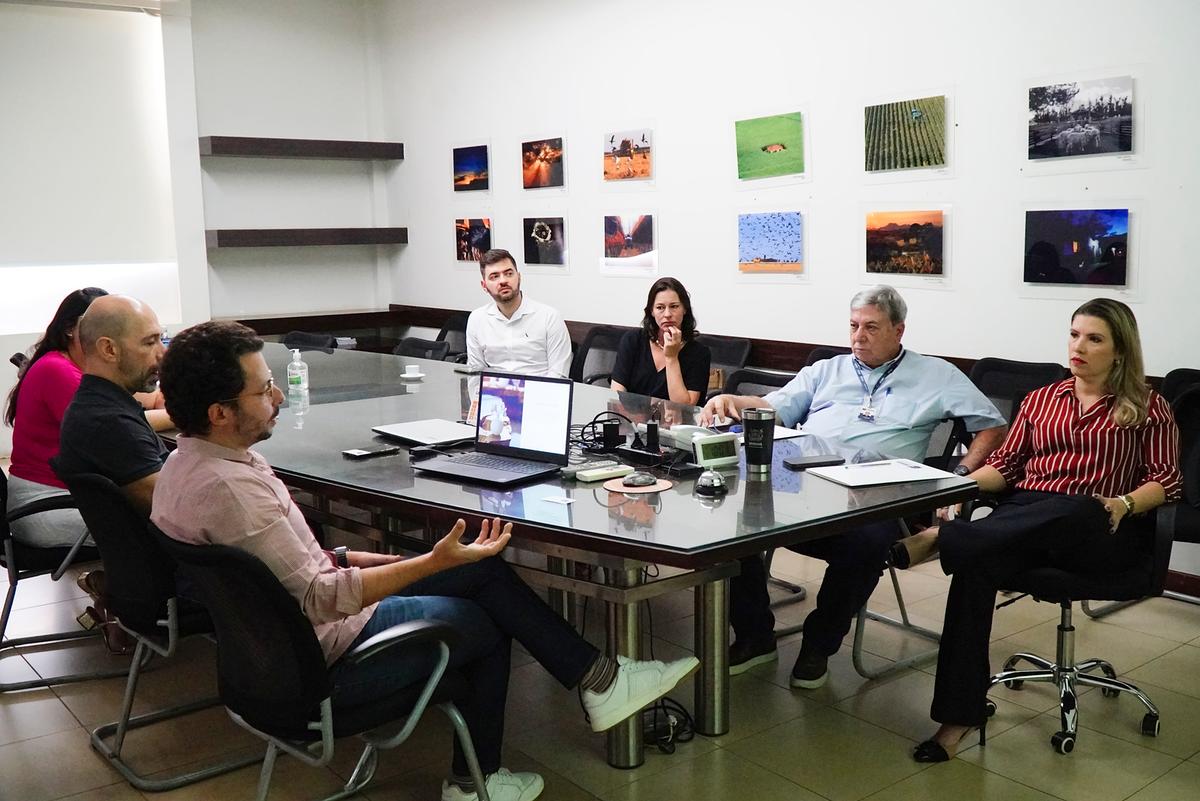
(283, 237)
(255, 146)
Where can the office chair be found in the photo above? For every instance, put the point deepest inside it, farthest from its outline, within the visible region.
(822, 352)
(309, 341)
(727, 356)
(1174, 383)
(1142, 579)
(26, 562)
(18, 360)
(140, 590)
(596, 355)
(454, 334)
(422, 348)
(273, 677)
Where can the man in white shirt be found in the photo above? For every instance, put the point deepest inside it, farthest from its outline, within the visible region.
(515, 334)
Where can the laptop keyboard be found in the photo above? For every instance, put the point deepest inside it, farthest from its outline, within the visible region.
(500, 463)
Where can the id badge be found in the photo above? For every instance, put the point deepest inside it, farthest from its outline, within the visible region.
(866, 414)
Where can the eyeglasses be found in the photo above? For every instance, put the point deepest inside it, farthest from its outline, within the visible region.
(266, 393)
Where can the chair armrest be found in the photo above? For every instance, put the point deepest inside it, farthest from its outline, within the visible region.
(416, 631)
(43, 505)
(592, 379)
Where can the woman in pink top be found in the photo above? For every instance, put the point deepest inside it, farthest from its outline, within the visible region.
(35, 410)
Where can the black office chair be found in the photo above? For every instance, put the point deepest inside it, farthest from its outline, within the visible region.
(422, 348)
(273, 677)
(305, 340)
(454, 334)
(24, 562)
(594, 359)
(822, 352)
(140, 590)
(727, 356)
(1175, 382)
(18, 360)
(1142, 579)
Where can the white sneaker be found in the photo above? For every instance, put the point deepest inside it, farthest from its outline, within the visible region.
(503, 785)
(637, 684)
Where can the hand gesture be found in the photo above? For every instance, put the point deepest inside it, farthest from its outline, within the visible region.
(720, 406)
(1116, 510)
(451, 550)
(948, 513)
(672, 341)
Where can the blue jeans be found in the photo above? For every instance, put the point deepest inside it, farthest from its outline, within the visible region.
(489, 606)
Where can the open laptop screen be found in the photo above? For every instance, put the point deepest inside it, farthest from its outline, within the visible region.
(524, 416)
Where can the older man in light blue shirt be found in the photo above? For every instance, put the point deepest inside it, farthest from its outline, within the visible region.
(880, 398)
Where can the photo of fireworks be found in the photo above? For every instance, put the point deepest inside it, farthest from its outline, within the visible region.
(472, 238)
(542, 163)
(771, 242)
(904, 242)
(471, 168)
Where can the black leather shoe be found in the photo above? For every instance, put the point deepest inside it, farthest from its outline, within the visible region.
(746, 653)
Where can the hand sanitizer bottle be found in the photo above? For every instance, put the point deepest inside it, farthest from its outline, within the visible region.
(297, 373)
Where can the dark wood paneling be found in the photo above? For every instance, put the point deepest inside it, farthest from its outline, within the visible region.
(282, 237)
(332, 321)
(1184, 583)
(299, 148)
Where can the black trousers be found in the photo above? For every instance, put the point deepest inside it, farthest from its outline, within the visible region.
(1027, 530)
(856, 561)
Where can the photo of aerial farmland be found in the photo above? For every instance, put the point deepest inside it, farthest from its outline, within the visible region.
(906, 135)
(542, 163)
(1081, 119)
(628, 155)
(1077, 246)
(470, 168)
(907, 242)
(768, 147)
(771, 242)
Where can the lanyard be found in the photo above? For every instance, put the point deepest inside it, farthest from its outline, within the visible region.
(869, 394)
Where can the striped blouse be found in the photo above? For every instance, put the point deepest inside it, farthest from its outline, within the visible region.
(1051, 447)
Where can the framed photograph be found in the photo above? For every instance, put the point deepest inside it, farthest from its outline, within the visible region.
(542, 163)
(471, 168)
(472, 238)
(770, 147)
(629, 245)
(905, 243)
(771, 243)
(629, 155)
(1077, 247)
(905, 135)
(1081, 118)
(545, 241)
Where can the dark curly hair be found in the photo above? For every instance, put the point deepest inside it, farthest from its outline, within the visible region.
(687, 327)
(201, 368)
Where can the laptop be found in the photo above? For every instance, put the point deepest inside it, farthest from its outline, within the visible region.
(428, 432)
(522, 432)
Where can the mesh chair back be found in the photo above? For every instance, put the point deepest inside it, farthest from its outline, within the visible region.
(271, 670)
(307, 341)
(728, 353)
(1006, 382)
(1177, 381)
(823, 352)
(597, 353)
(422, 348)
(28, 559)
(753, 381)
(454, 333)
(139, 577)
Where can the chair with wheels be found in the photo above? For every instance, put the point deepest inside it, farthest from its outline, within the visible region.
(594, 359)
(140, 590)
(454, 334)
(727, 356)
(1142, 579)
(422, 348)
(305, 340)
(273, 677)
(23, 562)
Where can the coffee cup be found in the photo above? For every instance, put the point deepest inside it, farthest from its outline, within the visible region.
(413, 370)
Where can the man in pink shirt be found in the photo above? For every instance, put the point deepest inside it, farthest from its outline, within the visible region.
(214, 489)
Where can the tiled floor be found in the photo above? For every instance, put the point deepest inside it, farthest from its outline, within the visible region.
(849, 740)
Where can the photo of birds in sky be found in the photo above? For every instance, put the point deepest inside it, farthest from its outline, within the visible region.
(771, 242)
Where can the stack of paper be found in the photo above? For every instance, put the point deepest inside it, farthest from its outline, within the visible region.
(888, 471)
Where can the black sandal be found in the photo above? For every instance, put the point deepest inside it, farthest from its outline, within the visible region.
(933, 751)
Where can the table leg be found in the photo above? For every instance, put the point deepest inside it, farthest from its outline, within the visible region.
(712, 648)
(624, 639)
(561, 601)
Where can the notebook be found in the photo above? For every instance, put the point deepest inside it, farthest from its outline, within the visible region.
(428, 432)
(887, 471)
(522, 432)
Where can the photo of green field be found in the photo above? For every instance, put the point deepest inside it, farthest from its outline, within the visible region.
(906, 135)
(768, 147)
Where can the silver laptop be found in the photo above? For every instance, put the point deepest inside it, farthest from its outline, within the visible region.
(522, 432)
(428, 432)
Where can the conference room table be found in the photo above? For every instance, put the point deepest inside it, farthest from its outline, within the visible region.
(562, 526)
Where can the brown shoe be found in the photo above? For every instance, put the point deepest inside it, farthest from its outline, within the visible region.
(912, 551)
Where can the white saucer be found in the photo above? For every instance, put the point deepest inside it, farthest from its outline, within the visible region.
(411, 376)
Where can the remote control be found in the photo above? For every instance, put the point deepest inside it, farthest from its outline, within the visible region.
(604, 473)
(571, 470)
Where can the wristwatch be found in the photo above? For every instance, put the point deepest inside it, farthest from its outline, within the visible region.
(962, 470)
(340, 556)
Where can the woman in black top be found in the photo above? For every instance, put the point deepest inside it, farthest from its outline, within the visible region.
(662, 359)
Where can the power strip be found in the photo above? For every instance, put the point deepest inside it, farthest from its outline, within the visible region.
(604, 473)
(640, 457)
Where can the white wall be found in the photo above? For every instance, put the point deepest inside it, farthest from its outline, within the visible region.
(457, 71)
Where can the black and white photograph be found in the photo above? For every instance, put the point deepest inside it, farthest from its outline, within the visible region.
(1082, 118)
